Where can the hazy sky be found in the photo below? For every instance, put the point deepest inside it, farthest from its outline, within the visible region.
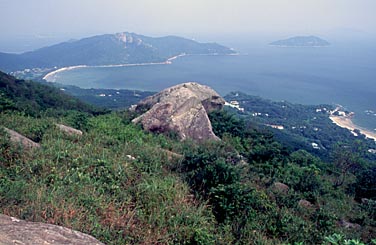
(74, 18)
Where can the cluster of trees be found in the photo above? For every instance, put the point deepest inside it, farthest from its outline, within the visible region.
(35, 99)
(345, 182)
(116, 99)
(303, 125)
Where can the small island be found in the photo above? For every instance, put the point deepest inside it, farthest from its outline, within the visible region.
(301, 41)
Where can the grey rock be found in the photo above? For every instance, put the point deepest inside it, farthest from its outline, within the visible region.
(182, 109)
(15, 231)
(17, 138)
(305, 204)
(69, 130)
(280, 187)
(348, 225)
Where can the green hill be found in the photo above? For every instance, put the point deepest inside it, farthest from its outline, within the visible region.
(125, 186)
(34, 98)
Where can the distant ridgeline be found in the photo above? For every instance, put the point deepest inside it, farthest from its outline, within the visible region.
(301, 41)
(109, 49)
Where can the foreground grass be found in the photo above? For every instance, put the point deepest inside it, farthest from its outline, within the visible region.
(112, 183)
(123, 186)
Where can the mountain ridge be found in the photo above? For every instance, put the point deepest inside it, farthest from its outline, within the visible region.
(109, 49)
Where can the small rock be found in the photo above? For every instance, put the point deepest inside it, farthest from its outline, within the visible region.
(22, 140)
(15, 231)
(348, 225)
(172, 155)
(280, 187)
(130, 157)
(365, 200)
(305, 204)
(69, 130)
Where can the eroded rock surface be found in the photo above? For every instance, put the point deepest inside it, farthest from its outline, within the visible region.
(17, 138)
(182, 109)
(15, 231)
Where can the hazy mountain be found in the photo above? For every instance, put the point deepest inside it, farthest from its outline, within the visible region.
(301, 41)
(109, 49)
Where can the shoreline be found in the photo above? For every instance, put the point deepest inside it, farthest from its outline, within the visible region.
(68, 68)
(347, 123)
(167, 62)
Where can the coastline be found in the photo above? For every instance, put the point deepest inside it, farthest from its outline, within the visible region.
(346, 122)
(68, 68)
(167, 62)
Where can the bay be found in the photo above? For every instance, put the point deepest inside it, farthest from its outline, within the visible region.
(339, 74)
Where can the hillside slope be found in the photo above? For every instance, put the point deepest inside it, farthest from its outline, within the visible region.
(34, 98)
(123, 185)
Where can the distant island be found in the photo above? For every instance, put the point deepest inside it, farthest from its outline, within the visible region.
(301, 41)
(110, 49)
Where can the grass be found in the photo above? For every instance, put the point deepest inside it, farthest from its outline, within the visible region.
(90, 183)
(121, 185)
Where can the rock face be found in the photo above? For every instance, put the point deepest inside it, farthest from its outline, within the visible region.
(182, 109)
(14, 231)
(22, 140)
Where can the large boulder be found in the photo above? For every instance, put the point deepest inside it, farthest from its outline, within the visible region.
(69, 130)
(19, 139)
(15, 231)
(182, 109)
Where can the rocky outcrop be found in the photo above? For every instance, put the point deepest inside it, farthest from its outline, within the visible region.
(17, 138)
(69, 130)
(15, 231)
(182, 109)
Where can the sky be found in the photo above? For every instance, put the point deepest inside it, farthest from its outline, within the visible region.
(49, 19)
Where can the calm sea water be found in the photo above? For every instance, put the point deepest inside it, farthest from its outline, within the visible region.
(339, 74)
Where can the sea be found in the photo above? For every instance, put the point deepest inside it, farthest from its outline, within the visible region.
(340, 74)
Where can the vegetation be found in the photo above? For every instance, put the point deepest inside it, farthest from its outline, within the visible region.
(125, 186)
(302, 126)
(115, 99)
(36, 99)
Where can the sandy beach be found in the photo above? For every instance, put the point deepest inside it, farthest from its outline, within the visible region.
(50, 74)
(167, 62)
(345, 122)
